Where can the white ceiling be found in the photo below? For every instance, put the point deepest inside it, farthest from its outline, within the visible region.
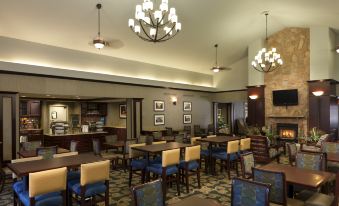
(231, 23)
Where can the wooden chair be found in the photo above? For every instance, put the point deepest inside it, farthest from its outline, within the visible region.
(137, 163)
(109, 140)
(47, 152)
(245, 145)
(93, 184)
(46, 188)
(191, 165)
(72, 173)
(277, 180)
(228, 158)
(148, 194)
(20, 185)
(168, 168)
(243, 189)
(247, 163)
(125, 155)
(262, 151)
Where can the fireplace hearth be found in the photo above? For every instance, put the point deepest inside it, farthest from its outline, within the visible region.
(287, 131)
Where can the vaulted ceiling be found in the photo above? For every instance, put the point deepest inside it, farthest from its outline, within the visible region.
(231, 23)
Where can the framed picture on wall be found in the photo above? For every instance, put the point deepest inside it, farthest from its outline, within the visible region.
(159, 106)
(187, 106)
(159, 119)
(54, 115)
(123, 111)
(187, 119)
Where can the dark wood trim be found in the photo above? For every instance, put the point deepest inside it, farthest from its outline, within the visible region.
(236, 90)
(333, 81)
(255, 86)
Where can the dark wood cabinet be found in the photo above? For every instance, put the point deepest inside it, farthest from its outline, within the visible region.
(91, 108)
(120, 132)
(30, 108)
(256, 107)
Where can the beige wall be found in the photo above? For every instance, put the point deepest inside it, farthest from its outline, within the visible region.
(113, 118)
(227, 97)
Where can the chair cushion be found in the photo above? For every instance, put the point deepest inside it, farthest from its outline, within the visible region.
(50, 199)
(91, 189)
(319, 199)
(18, 186)
(157, 169)
(138, 164)
(224, 155)
(192, 165)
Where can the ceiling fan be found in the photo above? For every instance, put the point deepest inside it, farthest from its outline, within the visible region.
(218, 68)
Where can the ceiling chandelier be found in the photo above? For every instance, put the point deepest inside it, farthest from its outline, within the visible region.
(267, 60)
(155, 25)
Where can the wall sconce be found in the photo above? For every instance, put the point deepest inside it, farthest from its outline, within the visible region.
(174, 100)
(253, 96)
(318, 93)
(337, 49)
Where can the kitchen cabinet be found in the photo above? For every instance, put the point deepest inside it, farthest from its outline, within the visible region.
(30, 108)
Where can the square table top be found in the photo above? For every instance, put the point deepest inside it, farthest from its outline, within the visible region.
(298, 176)
(333, 157)
(21, 169)
(219, 139)
(156, 148)
(32, 153)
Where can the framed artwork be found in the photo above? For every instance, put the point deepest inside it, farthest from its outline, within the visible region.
(187, 106)
(187, 119)
(159, 119)
(123, 111)
(54, 115)
(159, 106)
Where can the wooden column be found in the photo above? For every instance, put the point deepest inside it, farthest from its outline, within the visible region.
(256, 107)
(323, 109)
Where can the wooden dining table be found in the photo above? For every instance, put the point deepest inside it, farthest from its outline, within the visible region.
(22, 169)
(298, 176)
(333, 157)
(215, 141)
(32, 153)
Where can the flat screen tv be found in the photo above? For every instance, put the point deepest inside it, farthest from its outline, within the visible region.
(285, 97)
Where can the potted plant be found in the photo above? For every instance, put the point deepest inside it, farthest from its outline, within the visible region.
(314, 136)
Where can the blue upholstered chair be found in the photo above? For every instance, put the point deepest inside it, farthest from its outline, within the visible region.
(93, 184)
(20, 185)
(311, 161)
(249, 193)
(148, 194)
(167, 168)
(277, 180)
(191, 165)
(71, 174)
(247, 163)
(46, 152)
(40, 193)
(228, 156)
(137, 162)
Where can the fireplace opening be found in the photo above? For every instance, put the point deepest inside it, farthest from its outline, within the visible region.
(287, 131)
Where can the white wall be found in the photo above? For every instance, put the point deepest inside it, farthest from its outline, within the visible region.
(254, 77)
(323, 57)
(234, 79)
(29, 53)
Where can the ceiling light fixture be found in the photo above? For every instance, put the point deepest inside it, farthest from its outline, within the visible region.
(217, 68)
(99, 42)
(155, 25)
(267, 60)
(318, 93)
(337, 49)
(253, 97)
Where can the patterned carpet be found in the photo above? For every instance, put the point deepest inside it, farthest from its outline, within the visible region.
(213, 187)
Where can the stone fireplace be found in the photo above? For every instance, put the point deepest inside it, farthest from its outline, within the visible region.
(287, 131)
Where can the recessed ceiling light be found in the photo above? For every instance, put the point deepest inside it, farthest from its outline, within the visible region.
(48, 95)
(23, 96)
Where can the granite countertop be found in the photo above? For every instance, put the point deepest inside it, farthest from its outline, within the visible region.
(70, 134)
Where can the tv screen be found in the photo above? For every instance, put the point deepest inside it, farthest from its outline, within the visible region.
(285, 97)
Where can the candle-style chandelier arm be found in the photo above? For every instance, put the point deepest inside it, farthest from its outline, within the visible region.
(168, 34)
(143, 29)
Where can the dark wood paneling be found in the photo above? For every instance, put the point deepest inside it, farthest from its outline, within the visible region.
(256, 107)
(120, 132)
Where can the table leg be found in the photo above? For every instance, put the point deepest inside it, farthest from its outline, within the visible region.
(290, 191)
(148, 177)
(210, 158)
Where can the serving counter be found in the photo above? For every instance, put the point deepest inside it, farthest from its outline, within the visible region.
(84, 139)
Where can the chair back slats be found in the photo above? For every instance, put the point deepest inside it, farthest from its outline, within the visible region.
(67, 154)
(169, 131)
(47, 181)
(170, 157)
(148, 194)
(192, 153)
(135, 153)
(249, 193)
(46, 152)
(233, 147)
(94, 172)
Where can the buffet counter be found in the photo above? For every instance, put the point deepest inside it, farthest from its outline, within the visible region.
(84, 139)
